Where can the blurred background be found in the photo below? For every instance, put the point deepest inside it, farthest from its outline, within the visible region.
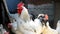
(35, 7)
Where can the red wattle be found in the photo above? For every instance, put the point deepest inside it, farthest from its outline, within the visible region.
(19, 10)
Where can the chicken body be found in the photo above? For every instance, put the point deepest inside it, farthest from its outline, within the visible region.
(25, 25)
(48, 30)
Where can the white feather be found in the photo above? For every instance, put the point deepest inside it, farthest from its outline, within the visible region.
(58, 26)
(49, 30)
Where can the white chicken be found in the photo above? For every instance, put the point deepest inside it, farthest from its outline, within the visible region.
(29, 26)
(58, 26)
(48, 30)
(25, 25)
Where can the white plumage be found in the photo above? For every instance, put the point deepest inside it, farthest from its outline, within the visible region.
(38, 26)
(25, 15)
(58, 26)
(48, 30)
(25, 25)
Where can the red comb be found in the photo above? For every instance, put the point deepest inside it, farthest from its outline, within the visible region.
(20, 4)
(19, 7)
